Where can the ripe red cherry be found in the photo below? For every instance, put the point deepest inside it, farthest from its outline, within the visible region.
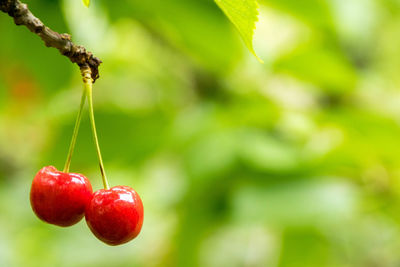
(60, 198)
(115, 215)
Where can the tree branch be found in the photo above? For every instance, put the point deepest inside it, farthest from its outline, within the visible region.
(76, 53)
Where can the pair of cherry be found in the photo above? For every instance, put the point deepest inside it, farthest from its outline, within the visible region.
(114, 215)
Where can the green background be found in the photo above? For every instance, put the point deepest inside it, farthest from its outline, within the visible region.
(290, 163)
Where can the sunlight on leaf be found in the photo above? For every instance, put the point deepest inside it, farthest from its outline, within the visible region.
(244, 15)
(86, 2)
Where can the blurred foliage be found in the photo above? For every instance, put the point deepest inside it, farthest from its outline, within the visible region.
(290, 163)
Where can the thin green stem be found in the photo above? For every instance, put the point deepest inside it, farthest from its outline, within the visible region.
(75, 132)
(88, 87)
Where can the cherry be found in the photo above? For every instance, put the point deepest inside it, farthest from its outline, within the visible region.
(115, 215)
(60, 198)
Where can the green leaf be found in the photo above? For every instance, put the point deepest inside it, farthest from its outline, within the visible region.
(86, 2)
(244, 15)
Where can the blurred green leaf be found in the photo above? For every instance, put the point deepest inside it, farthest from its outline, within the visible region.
(244, 15)
(265, 153)
(188, 27)
(86, 2)
(316, 13)
(329, 69)
(300, 203)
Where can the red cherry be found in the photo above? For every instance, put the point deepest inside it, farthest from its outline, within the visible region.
(115, 215)
(60, 198)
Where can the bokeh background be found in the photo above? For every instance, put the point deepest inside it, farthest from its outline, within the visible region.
(294, 162)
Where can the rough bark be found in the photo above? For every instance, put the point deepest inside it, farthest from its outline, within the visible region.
(76, 53)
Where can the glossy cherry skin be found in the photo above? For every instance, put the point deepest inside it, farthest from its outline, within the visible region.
(60, 198)
(115, 216)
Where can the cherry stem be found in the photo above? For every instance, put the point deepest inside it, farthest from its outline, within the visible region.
(75, 133)
(87, 81)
